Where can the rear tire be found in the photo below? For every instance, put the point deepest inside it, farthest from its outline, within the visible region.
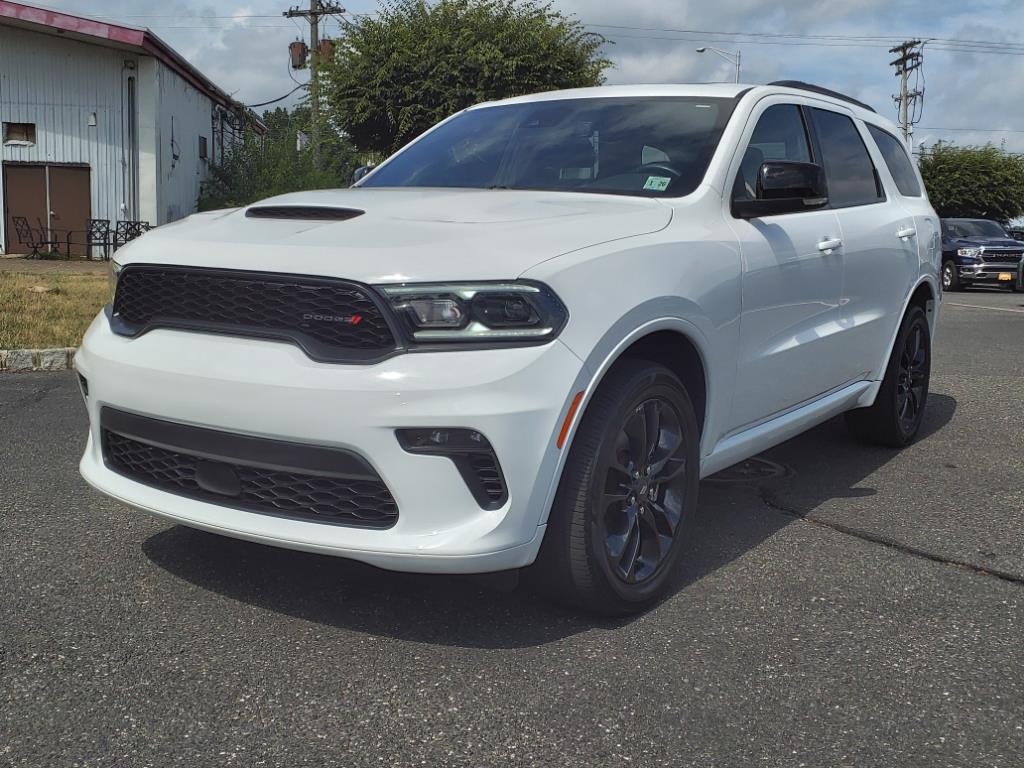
(950, 277)
(896, 415)
(627, 495)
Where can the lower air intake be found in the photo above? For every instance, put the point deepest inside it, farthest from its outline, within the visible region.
(310, 483)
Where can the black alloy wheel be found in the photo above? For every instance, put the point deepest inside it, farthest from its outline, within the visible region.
(627, 494)
(912, 378)
(641, 505)
(895, 417)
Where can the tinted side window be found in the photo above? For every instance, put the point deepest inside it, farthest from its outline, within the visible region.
(896, 159)
(779, 135)
(848, 168)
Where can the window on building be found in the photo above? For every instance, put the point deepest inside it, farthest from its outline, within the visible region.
(202, 148)
(20, 133)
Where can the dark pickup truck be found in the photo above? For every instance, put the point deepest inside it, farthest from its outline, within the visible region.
(980, 252)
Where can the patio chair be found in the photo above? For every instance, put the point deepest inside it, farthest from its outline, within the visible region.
(53, 236)
(126, 231)
(33, 238)
(96, 234)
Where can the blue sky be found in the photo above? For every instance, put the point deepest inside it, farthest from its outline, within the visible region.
(972, 95)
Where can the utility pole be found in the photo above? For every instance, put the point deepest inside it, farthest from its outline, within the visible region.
(909, 60)
(317, 9)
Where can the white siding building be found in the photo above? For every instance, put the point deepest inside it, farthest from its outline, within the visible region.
(102, 121)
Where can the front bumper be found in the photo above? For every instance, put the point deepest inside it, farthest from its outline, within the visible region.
(515, 397)
(989, 273)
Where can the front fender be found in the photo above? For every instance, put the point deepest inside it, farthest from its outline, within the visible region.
(684, 279)
(619, 338)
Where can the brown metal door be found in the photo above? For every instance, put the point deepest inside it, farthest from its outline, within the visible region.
(24, 195)
(70, 203)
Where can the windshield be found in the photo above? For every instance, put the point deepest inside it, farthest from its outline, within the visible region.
(974, 228)
(654, 147)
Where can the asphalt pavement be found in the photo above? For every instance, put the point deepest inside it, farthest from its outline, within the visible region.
(839, 606)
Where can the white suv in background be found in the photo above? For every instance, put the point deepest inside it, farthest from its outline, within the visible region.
(523, 339)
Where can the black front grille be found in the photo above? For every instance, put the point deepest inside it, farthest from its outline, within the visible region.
(331, 320)
(1002, 257)
(286, 491)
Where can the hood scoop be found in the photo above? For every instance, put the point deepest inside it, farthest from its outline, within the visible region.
(302, 213)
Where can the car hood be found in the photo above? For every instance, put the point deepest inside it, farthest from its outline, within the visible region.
(402, 235)
(987, 242)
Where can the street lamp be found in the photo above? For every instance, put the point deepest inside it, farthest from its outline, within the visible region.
(732, 58)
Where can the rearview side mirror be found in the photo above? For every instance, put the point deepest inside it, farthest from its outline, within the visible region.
(784, 186)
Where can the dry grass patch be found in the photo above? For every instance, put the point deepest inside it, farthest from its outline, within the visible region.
(41, 311)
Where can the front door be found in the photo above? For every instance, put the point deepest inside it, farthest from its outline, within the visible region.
(792, 282)
(24, 195)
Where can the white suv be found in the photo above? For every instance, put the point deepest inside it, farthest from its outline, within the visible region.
(523, 339)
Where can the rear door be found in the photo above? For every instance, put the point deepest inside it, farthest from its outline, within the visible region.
(70, 202)
(879, 237)
(894, 158)
(792, 279)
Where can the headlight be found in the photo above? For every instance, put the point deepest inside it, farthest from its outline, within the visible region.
(969, 253)
(115, 272)
(515, 311)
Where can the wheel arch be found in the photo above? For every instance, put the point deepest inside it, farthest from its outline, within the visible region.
(925, 294)
(676, 343)
(677, 352)
(660, 340)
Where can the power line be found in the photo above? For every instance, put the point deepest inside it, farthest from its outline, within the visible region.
(945, 43)
(938, 43)
(975, 130)
(274, 101)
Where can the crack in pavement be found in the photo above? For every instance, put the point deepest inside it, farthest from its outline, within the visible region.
(765, 495)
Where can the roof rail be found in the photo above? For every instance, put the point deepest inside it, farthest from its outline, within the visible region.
(800, 85)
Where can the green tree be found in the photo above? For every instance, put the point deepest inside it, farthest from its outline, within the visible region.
(261, 167)
(398, 73)
(974, 182)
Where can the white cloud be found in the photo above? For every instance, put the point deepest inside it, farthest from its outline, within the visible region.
(245, 51)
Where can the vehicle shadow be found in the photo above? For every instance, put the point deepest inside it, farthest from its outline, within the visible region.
(466, 611)
(826, 464)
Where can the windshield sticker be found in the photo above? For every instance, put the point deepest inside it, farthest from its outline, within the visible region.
(657, 183)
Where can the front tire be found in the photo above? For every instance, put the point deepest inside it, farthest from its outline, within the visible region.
(950, 277)
(626, 497)
(896, 415)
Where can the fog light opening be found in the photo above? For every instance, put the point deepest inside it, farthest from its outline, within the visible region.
(470, 452)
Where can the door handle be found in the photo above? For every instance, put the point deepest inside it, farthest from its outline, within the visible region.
(906, 233)
(830, 244)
